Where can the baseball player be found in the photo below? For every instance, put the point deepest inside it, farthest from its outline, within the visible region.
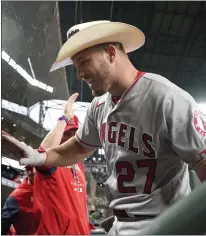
(61, 192)
(19, 212)
(58, 193)
(149, 128)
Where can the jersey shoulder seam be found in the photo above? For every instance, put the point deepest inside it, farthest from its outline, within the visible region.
(177, 91)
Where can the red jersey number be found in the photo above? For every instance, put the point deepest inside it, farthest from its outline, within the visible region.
(125, 171)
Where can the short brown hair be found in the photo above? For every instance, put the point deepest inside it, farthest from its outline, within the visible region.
(116, 44)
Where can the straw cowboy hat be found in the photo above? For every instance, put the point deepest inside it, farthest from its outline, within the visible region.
(85, 35)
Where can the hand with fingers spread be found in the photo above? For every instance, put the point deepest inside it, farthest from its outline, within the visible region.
(28, 156)
(17, 154)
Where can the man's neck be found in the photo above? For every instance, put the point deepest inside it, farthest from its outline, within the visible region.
(125, 80)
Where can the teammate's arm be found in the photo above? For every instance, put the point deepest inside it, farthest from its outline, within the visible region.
(78, 147)
(9, 214)
(54, 137)
(73, 149)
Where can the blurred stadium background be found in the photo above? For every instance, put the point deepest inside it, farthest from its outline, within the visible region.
(33, 98)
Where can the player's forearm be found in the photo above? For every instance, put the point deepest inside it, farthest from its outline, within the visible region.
(200, 170)
(68, 153)
(54, 137)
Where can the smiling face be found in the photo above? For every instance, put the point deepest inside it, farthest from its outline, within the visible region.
(96, 66)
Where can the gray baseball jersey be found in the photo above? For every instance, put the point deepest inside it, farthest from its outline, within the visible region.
(148, 136)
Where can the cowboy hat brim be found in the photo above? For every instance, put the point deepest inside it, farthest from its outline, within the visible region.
(129, 36)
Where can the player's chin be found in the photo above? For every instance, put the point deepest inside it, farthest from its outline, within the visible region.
(97, 93)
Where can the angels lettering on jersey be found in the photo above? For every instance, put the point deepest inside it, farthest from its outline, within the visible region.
(123, 135)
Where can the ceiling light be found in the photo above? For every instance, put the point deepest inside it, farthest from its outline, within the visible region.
(24, 74)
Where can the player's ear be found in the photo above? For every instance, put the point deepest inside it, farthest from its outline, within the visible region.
(111, 52)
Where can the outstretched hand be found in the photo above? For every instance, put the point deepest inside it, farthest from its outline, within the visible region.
(8, 146)
(26, 154)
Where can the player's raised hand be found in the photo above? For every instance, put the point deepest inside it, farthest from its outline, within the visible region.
(28, 156)
(69, 106)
